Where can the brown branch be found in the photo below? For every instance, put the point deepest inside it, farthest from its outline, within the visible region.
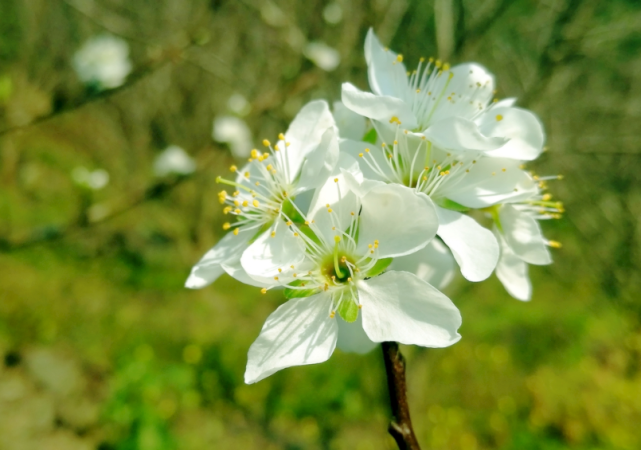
(400, 426)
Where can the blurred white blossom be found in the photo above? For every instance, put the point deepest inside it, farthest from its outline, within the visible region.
(90, 179)
(235, 133)
(174, 160)
(238, 104)
(333, 13)
(324, 56)
(104, 61)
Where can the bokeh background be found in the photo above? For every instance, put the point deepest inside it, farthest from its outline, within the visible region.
(101, 346)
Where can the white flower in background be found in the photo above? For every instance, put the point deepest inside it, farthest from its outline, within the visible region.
(265, 189)
(238, 104)
(104, 61)
(324, 56)
(521, 240)
(90, 179)
(350, 125)
(333, 13)
(173, 160)
(451, 107)
(234, 132)
(330, 265)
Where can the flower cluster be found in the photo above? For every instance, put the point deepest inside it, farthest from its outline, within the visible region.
(361, 216)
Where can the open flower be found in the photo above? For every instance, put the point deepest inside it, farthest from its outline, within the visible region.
(330, 265)
(266, 187)
(521, 240)
(452, 107)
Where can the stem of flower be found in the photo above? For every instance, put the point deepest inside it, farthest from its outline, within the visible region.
(400, 426)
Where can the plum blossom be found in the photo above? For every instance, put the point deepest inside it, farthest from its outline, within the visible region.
(266, 187)
(331, 264)
(103, 61)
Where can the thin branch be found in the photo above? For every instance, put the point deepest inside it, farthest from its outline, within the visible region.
(400, 426)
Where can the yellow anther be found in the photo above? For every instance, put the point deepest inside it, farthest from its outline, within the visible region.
(294, 275)
(280, 270)
(493, 173)
(329, 210)
(399, 58)
(233, 168)
(349, 279)
(333, 228)
(467, 170)
(352, 213)
(418, 91)
(237, 211)
(499, 117)
(395, 142)
(289, 223)
(276, 278)
(546, 197)
(438, 64)
(559, 177)
(295, 234)
(360, 155)
(245, 203)
(226, 226)
(273, 234)
(375, 241)
(337, 239)
(424, 178)
(227, 209)
(431, 60)
(446, 66)
(335, 180)
(422, 59)
(495, 100)
(269, 167)
(281, 136)
(395, 120)
(554, 244)
(360, 306)
(263, 291)
(369, 245)
(265, 142)
(235, 231)
(287, 144)
(255, 203)
(332, 314)
(255, 153)
(307, 222)
(236, 193)
(236, 203)
(367, 150)
(276, 148)
(503, 169)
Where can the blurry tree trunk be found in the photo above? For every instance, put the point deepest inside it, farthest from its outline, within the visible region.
(400, 426)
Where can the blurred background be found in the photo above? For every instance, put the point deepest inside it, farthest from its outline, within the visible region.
(108, 197)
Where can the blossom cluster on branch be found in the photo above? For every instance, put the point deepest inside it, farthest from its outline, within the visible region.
(362, 215)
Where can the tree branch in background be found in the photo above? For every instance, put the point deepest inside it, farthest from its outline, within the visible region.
(400, 426)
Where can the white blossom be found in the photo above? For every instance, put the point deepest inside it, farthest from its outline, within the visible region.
(173, 160)
(104, 61)
(330, 264)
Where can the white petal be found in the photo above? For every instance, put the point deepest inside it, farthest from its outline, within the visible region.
(398, 306)
(474, 248)
(355, 148)
(402, 220)
(267, 254)
(378, 107)
(319, 163)
(512, 271)
(460, 134)
(235, 270)
(505, 103)
(227, 250)
(487, 183)
(304, 134)
(350, 125)
(523, 129)
(298, 333)
(387, 75)
(523, 234)
(352, 337)
(434, 264)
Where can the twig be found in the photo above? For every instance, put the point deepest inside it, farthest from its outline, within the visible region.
(400, 426)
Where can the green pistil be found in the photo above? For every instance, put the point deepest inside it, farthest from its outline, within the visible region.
(221, 180)
(337, 268)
